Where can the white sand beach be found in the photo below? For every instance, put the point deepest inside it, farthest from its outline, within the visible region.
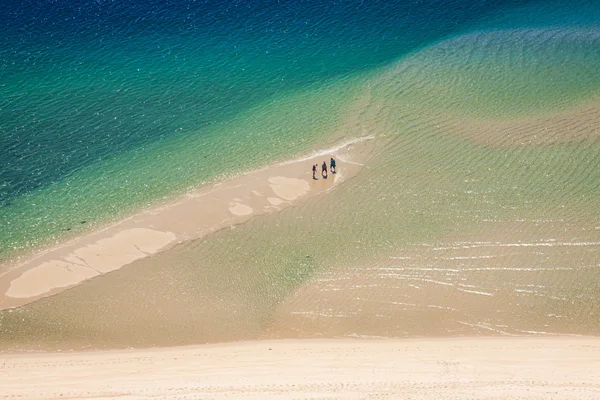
(458, 368)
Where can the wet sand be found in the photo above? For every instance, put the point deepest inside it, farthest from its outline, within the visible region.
(458, 368)
(190, 217)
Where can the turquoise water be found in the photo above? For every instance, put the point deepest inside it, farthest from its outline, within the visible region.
(98, 98)
(476, 211)
(109, 107)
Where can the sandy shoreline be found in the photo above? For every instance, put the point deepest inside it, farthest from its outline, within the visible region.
(459, 368)
(192, 216)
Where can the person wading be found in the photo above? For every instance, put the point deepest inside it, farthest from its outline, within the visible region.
(332, 166)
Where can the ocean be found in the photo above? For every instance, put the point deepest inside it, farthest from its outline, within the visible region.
(478, 212)
(110, 106)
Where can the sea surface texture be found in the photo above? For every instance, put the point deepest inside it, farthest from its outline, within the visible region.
(477, 210)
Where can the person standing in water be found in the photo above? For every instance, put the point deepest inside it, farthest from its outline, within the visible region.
(332, 166)
(314, 171)
(324, 170)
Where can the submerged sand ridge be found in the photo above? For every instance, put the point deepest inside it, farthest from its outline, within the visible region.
(194, 215)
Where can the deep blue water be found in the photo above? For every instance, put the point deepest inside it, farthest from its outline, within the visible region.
(83, 80)
(85, 83)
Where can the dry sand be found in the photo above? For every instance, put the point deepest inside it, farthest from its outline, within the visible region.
(192, 216)
(458, 368)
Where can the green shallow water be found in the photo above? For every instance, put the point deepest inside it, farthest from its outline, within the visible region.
(100, 98)
(446, 230)
(179, 112)
(105, 192)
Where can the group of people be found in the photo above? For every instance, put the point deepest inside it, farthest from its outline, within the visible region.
(324, 169)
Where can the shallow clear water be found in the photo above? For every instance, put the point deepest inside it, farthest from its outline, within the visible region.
(477, 210)
(90, 88)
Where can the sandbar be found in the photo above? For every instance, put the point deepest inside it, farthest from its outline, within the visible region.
(188, 217)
